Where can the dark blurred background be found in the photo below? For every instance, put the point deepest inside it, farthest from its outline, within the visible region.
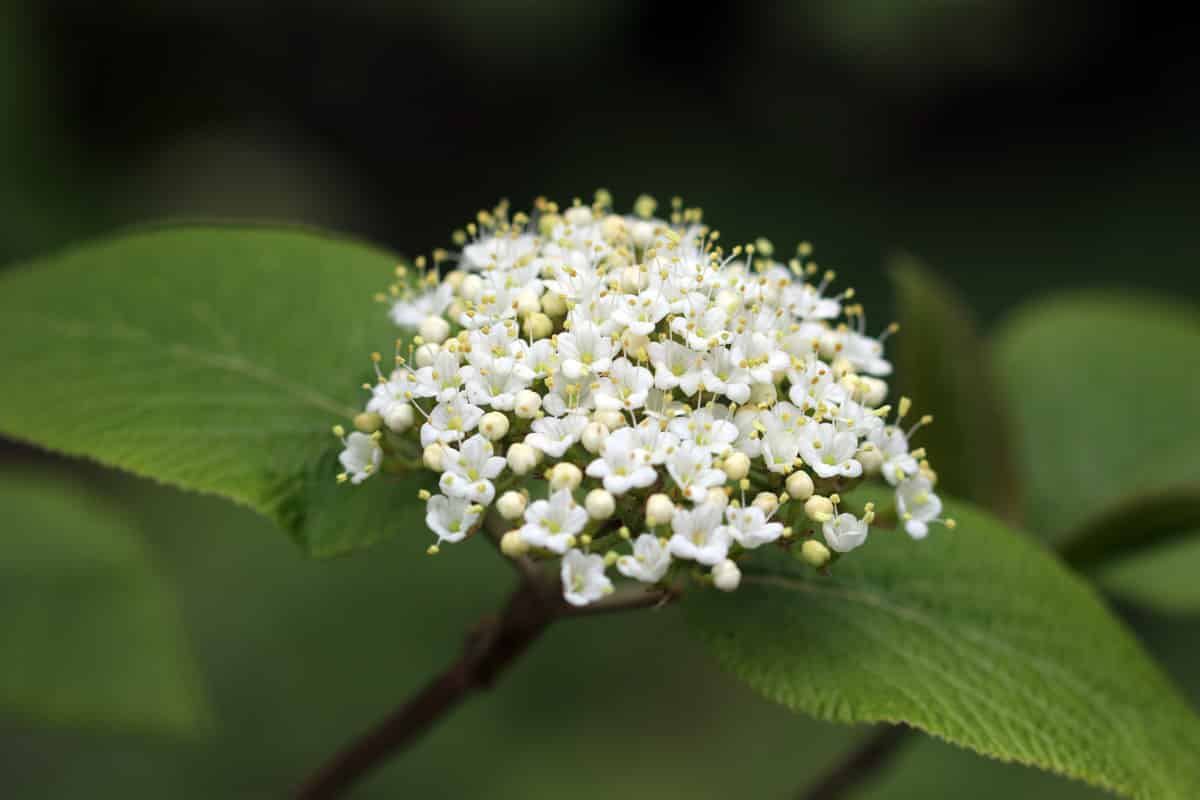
(1017, 146)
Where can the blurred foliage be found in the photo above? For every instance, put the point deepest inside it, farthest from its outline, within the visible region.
(89, 635)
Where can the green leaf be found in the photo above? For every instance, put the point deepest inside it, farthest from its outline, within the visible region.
(90, 635)
(943, 364)
(1142, 522)
(977, 636)
(1161, 577)
(1104, 390)
(211, 358)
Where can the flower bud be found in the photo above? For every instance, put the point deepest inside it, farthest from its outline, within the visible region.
(726, 576)
(642, 233)
(538, 326)
(527, 404)
(578, 215)
(814, 553)
(871, 459)
(600, 504)
(593, 437)
(634, 343)
(554, 305)
(874, 391)
(736, 466)
(564, 475)
(493, 425)
(431, 457)
(527, 302)
(511, 505)
(609, 419)
(763, 394)
(400, 418)
(434, 329)
(425, 353)
(512, 545)
(819, 508)
(522, 458)
(613, 227)
(472, 285)
(716, 497)
(659, 510)
(766, 502)
(633, 280)
(368, 422)
(799, 485)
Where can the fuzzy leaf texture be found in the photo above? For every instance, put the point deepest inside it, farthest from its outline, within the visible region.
(943, 364)
(1105, 390)
(977, 636)
(90, 635)
(211, 358)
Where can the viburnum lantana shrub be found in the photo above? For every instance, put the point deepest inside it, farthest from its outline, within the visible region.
(682, 403)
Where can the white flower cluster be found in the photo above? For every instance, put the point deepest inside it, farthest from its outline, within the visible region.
(652, 380)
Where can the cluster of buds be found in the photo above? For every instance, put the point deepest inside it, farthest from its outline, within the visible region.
(680, 404)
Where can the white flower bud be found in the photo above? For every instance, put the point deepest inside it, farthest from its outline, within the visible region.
(538, 326)
(434, 329)
(871, 459)
(493, 425)
(431, 457)
(554, 304)
(565, 475)
(593, 437)
(609, 419)
(613, 227)
(368, 422)
(642, 233)
(578, 215)
(425, 353)
(527, 404)
(522, 458)
(634, 343)
(767, 502)
(799, 485)
(633, 280)
(454, 279)
(600, 504)
(737, 466)
(659, 510)
(527, 302)
(815, 553)
(472, 285)
(511, 505)
(763, 393)
(512, 545)
(726, 576)
(874, 391)
(400, 418)
(819, 508)
(716, 497)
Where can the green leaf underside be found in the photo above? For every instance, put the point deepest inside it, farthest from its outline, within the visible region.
(213, 358)
(976, 636)
(1144, 521)
(90, 635)
(1104, 390)
(944, 366)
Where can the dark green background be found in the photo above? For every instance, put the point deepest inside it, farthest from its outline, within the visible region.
(1016, 146)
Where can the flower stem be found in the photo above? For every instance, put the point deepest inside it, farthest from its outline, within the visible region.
(859, 764)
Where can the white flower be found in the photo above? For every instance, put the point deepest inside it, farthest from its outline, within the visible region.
(702, 323)
(388, 396)
(553, 435)
(864, 353)
(553, 524)
(721, 374)
(898, 464)
(568, 394)
(622, 464)
(441, 379)
(698, 535)
(497, 385)
(450, 421)
(672, 362)
(830, 452)
(691, 468)
(726, 576)
(625, 387)
(470, 470)
(703, 429)
(583, 578)
(748, 526)
(641, 314)
(451, 517)
(649, 562)
(497, 252)
(584, 350)
(844, 532)
(654, 440)
(361, 458)
(917, 505)
(409, 313)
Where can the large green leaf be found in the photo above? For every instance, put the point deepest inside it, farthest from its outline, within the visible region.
(977, 636)
(944, 365)
(1104, 390)
(1162, 577)
(211, 358)
(89, 633)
